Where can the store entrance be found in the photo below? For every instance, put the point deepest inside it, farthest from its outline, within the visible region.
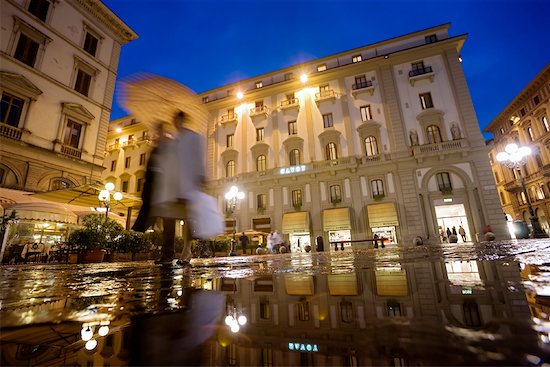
(341, 235)
(298, 241)
(449, 216)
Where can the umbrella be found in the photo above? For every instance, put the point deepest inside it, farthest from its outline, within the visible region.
(153, 99)
(86, 195)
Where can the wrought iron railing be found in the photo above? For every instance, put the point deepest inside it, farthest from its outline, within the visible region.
(362, 84)
(420, 71)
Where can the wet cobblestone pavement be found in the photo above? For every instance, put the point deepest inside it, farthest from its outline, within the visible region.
(467, 304)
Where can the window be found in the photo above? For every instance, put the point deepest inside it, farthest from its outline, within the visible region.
(545, 124)
(10, 109)
(357, 58)
(127, 162)
(471, 314)
(294, 157)
(230, 113)
(335, 194)
(360, 82)
(366, 113)
(434, 134)
(83, 81)
(292, 128)
(2, 175)
(371, 146)
(393, 308)
(431, 38)
(113, 165)
(444, 181)
(324, 88)
(346, 312)
(530, 133)
(139, 184)
(124, 186)
(522, 112)
(229, 141)
(59, 184)
(142, 159)
(90, 43)
(330, 152)
(260, 163)
(417, 67)
(26, 50)
(296, 198)
(377, 187)
(259, 84)
(491, 159)
(303, 310)
(322, 67)
(290, 97)
(426, 100)
(538, 160)
(327, 120)
(267, 355)
(265, 309)
(536, 100)
(231, 353)
(39, 8)
(260, 134)
(230, 169)
(289, 76)
(261, 201)
(72, 134)
(501, 131)
(205, 99)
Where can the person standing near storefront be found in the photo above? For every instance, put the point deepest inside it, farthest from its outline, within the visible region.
(244, 242)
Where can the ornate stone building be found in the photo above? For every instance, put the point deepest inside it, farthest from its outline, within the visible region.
(59, 60)
(525, 121)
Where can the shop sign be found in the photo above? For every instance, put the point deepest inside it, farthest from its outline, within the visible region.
(292, 169)
(301, 347)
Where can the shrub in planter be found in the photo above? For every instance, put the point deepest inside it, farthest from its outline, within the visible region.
(98, 233)
(131, 241)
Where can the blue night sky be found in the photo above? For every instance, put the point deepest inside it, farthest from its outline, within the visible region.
(208, 43)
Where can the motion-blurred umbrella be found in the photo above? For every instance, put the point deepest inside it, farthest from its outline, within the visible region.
(153, 99)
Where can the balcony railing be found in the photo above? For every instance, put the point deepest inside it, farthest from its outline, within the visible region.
(129, 143)
(10, 132)
(260, 110)
(228, 117)
(114, 146)
(420, 71)
(362, 84)
(325, 94)
(435, 148)
(70, 151)
(289, 103)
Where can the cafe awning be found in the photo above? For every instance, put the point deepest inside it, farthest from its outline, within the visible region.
(299, 284)
(43, 212)
(297, 222)
(342, 284)
(336, 219)
(382, 215)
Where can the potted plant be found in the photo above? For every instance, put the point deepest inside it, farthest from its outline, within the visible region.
(131, 242)
(94, 238)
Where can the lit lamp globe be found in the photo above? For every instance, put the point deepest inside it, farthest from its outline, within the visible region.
(242, 320)
(228, 320)
(110, 186)
(103, 195)
(103, 330)
(91, 344)
(117, 196)
(235, 326)
(86, 333)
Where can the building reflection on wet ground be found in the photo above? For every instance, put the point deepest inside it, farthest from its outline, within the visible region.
(469, 304)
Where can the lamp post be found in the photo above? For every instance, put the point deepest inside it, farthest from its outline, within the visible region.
(105, 197)
(515, 157)
(232, 197)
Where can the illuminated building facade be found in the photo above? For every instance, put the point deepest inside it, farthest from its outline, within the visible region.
(59, 60)
(526, 122)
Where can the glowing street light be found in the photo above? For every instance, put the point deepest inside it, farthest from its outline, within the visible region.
(514, 157)
(105, 197)
(240, 95)
(235, 321)
(303, 78)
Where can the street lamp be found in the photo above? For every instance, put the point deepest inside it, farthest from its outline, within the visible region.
(232, 197)
(514, 157)
(105, 197)
(234, 319)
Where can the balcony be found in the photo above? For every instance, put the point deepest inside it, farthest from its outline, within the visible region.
(128, 144)
(113, 147)
(10, 132)
(260, 111)
(420, 151)
(513, 186)
(290, 103)
(362, 87)
(144, 140)
(325, 95)
(70, 151)
(421, 73)
(368, 159)
(228, 117)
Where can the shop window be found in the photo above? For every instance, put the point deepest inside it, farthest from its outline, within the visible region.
(230, 169)
(335, 194)
(377, 187)
(330, 152)
(260, 134)
(371, 146)
(10, 109)
(261, 163)
(444, 182)
(327, 120)
(261, 201)
(73, 131)
(26, 50)
(292, 128)
(296, 198)
(39, 8)
(426, 100)
(294, 157)
(229, 141)
(472, 317)
(434, 134)
(267, 355)
(366, 113)
(346, 311)
(303, 310)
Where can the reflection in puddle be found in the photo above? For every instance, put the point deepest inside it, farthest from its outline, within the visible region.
(346, 309)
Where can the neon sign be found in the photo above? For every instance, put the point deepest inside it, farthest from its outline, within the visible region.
(292, 169)
(303, 347)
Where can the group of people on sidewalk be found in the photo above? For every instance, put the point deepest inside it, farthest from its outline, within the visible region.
(446, 234)
(274, 242)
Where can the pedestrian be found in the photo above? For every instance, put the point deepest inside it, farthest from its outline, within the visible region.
(449, 233)
(269, 245)
(244, 243)
(442, 234)
(375, 237)
(178, 171)
(487, 229)
(454, 231)
(277, 241)
(462, 232)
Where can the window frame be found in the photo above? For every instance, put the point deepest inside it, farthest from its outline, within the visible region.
(261, 163)
(366, 113)
(328, 120)
(433, 134)
(331, 151)
(88, 30)
(296, 197)
(292, 128)
(260, 134)
(67, 137)
(261, 202)
(12, 97)
(142, 159)
(21, 27)
(127, 162)
(377, 188)
(230, 169)
(321, 67)
(371, 146)
(295, 157)
(444, 182)
(356, 58)
(426, 100)
(48, 11)
(113, 165)
(229, 140)
(335, 193)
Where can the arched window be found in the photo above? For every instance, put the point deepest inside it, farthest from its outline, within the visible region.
(545, 124)
(294, 157)
(434, 135)
(330, 152)
(230, 169)
(444, 181)
(260, 163)
(371, 146)
(59, 184)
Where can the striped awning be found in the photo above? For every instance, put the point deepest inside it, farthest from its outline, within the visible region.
(43, 212)
(342, 284)
(297, 222)
(86, 195)
(336, 219)
(382, 215)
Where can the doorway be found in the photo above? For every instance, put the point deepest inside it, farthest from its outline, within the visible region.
(454, 215)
